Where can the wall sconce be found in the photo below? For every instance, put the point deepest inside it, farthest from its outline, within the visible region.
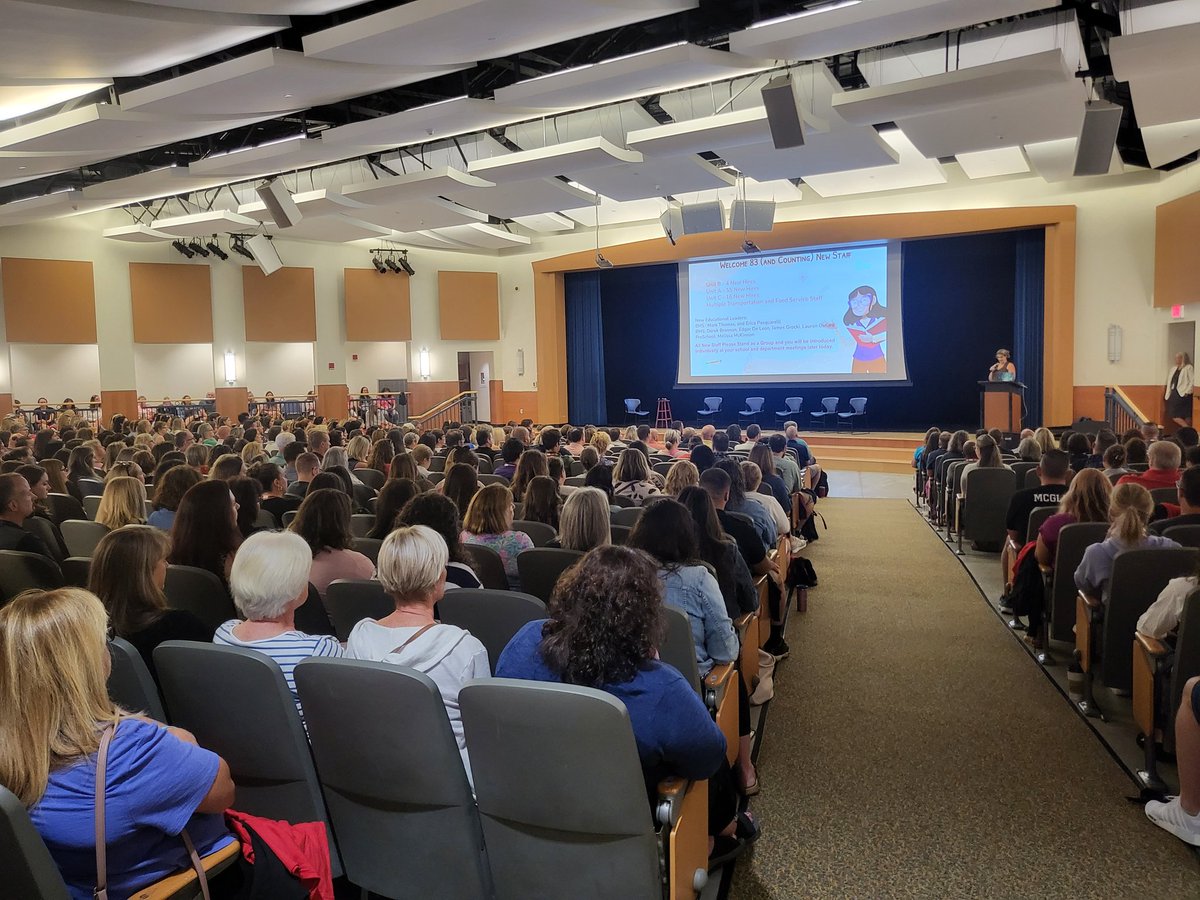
(520, 362)
(1114, 343)
(423, 363)
(230, 367)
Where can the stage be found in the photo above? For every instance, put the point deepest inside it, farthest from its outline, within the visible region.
(881, 451)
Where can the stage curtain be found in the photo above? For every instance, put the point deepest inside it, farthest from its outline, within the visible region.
(585, 349)
(1029, 322)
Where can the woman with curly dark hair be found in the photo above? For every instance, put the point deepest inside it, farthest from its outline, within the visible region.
(438, 512)
(605, 625)
(381, 456)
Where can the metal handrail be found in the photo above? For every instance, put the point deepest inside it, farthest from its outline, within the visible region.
(1120, 412)
(463, 401)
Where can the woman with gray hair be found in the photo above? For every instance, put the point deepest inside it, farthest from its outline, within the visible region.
(584, 522)
(412, 569)
(269, 582)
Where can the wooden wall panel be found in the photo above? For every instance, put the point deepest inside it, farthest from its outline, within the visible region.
(1088, 400)
(124, 403)
(469, 306)
(331, 400)
(377, 306)
(172, 303)
(425, 395)
(281, 307)
(1176, 262)
(48, 301)
(232, 400)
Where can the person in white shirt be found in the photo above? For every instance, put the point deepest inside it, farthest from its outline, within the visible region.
(753, 477)
(1162, 618)
(1179, 391)
(412, 569)
(753, 432)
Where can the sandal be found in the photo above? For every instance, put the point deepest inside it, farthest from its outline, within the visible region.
(747, 829)
(752, 788)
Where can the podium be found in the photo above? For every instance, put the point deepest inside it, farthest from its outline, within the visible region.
(1000, 405)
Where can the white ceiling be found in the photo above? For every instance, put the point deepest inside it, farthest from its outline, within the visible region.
(266, 7)
(202, 224)
(508, 200)
(912, 171)
(560, 159)
(21, 96)
(435, 121)
(654, 178)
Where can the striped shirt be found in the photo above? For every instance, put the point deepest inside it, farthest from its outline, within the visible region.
(286, 649)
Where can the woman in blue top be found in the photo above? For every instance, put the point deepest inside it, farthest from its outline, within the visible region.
(1129, 510)
(54, 709)
(603, 632)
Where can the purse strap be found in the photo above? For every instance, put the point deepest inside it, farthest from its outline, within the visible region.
(420, 631)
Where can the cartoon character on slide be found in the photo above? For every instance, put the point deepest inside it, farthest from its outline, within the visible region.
(866, 321)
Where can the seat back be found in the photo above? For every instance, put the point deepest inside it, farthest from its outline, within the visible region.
(361, 524)
(130, 684)
(858, 405)
(21, 571)
(237, 704)
(265, 520)
(560, 790)
(26, 868)
(372, 478)
(63, 507)
(712, 404)
(363, 495)
(628, 517)
(90, 487)
(492, 479)
(1037, 517)
(1165, 495)
(91, 505)
(1187, 649)
(488, 566)
(1021, 469)
(201, 593)
(619, 534)
(624, 502)
(1187, 535)
(485, 466)
(755, 404)
(988, 494)
(830, 404)
(349, 601)
(540, 567)
(437, 464)
(492, 616)
(288, 517)
(81, 536)
(793, 404)
(368, 547)
(539, 532)
(1138, 577)
(678, 649)
(393, 779)
(1032, 479)
(1073, 540)
(43, 529)
(632, 404)
(660, 468)
(77, 571)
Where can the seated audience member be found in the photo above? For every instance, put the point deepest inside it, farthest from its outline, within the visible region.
(604, 628)
(542, 502)
(574, 441)
(1135, 452)
(291, 452)
(671, 447)
(462, 456)
(1079, 449)
(227, 466)
(324, 523)
(307, 466)
(752, 476)
(38, 479)
(631, 477)
(737, 503)
(1181, 815)
(488, 522)
(753, 433)
(16, 505)
(412, 569)
(122, 503)
(1114, 462)
(585, 521)
(1150, 432)
(336, 460)
(404, 465)
(81, 464)
(1052, 476)
(1028, 450)
(785, 467)
(706, 435)
(550, 440)
(791, 432)
(1086, 500)
(531, 464)
(1187, 437)
(1161, 619)
(128, 571)
(988, 457)
(589, 458)
(55, 713)
(281, 442)
(392, 497)
(702, 457)
(252, 454)
(440, 514)
(318, 441)
(56, 471)
(720, 551)
(245, 494)
(1189, 503)
(423, 457)
(358, 452)
(205, 533)
(1191, 457)
(718, 484)
(272, 491)
(269, 582)
(720, 444)
(682, 474)
(1128, 512)
(460, 485)
(169, 488)
(380, 457)
(602, 442)
(483, 442)
(1100, 443)
(781, 487)
(1164, 457)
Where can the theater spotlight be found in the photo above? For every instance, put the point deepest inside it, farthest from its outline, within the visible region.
(405, 265)
(391, 264)
(378, 264)
(238, 246)
(183, 248)
(602, 262)
(750, 247)
(215, 249)
(196, 247)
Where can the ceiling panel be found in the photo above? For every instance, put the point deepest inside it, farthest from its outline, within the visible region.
(437, 32)
(21, 96)
(47, 206)
(432, 122)
(17, 167)
(612, 122)
(205, 223)
(654, 178)
(1162, 68)
(420, 214)
(1141, 16)
(729, 129)
(559, 159)
(312, 204)
(990, 163)
(637, 75)
(264, 7)
(424, 185)
(545, 223)
(270, 81)
(613, 212)
(778, 191)
(489, 237)
(913, 170)
(1055, 160)
(519, 198)
(337, 229)
(847, 147)
(165, 182)
(841, 27)
(269, 159)
(431, 239)
(1167, 143)
(108, 38)
(137, 234)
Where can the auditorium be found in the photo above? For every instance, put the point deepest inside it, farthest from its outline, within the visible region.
(421, 418)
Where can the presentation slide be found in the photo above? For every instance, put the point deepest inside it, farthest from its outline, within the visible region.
(813, 314)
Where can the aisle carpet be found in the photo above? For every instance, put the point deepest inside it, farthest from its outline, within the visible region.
(914, 750)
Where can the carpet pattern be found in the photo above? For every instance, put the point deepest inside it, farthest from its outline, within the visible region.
(913, 750)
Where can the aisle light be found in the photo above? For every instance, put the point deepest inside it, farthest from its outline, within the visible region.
(230, 367)
(423, 363)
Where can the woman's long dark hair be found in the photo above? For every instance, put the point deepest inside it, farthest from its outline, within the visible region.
(81, 464)
(324, 520)
(246, 492)
(204, 533)
(666, 531)
(392, 497)
(460, 485)
(438, 512)
(542, 502)
(606, 618)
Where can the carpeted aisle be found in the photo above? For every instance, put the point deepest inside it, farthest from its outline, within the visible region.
(913, 750)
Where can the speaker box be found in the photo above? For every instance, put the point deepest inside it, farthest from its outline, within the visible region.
(1087, 426)
(701, 218)
(264, 254)
(783, 113)
(672, 223)
(279, 203)
(1098, 137)
(752, 215)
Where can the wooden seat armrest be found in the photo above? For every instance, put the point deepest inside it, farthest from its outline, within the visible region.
(669, 801)
(1045, 570)
(719, 678)
(742, 622)
(1151, 646)
(173, 885)
(1011, 545)
(1091, 603)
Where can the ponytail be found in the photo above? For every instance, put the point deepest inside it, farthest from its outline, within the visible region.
(1129, 512)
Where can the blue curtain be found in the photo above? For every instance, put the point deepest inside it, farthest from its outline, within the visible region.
(1028, 321)
(585, 348)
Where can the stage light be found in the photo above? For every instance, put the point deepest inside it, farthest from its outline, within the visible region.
(600, 259)
(183, 248)
(391, 264)
(750, 247)
(602, 262)
(378, 264)
(404, 264)
(196, 247)
(215, 249)
(239, 246)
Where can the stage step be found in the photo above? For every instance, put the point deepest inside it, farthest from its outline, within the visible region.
(887, 452)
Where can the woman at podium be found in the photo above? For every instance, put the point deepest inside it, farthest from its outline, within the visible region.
(1179, 391)
(1002, 369)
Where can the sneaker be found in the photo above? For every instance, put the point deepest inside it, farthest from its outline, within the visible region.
(778, 648)
(1006, 607)
(1171, 817)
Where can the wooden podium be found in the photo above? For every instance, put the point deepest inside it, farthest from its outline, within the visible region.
(1000, 405)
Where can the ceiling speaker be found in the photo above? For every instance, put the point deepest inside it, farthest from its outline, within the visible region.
(284, 212)
(672, 223)
(264, 253)
(1098, 137)
(783, 113)
(701, 218)
(752, 215)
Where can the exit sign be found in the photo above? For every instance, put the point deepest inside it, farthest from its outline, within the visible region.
(1177, 311)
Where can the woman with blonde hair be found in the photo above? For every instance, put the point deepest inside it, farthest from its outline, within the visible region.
(488, 522)
(585, 521)
(225, 467)
(253, 453)
(601, 440)
(1045, 439)
(682, 474)
(358, 451)
(122, 503)
(55, 714)
(631, 477)
(1129, 513)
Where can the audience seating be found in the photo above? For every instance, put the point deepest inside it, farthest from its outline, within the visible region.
(265, 520)
(1032, 479)
(91, 505)
(1021, 468)
(77, 571)
(829, 407)
(491, 616)
(372, 478)
(368, 547)
(576, 481)
(574, 469)
(488, 566)
(1037, 516)
(1165, 495)
(620, 533)
(628, 516)
(130, 684)
(633, 409)
(858, 410)
(1059, 580)
(712, 406)
(660, 468)
(63, 507)
(493, 479)
(540, 567)
(981, 512)
(361, 524)
(562, 798)
(793, 405)
(349, 601)
(288, 517)
(622, 502)
(43, 529)
(363, 495)
(539, 532)
(754, 408)
(436, 477)
(21, 571)
(89, 487)
(485, 466)
(81, 537)
(678, 649)
(1104, 631)
(201, 593)
(397, 793)
(1187, 535)
(237, 704)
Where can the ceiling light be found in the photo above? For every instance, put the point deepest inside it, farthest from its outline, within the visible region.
(196, 247)
(183, 248)
(815, 11)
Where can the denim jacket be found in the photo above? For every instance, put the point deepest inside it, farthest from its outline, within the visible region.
(694, 591)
